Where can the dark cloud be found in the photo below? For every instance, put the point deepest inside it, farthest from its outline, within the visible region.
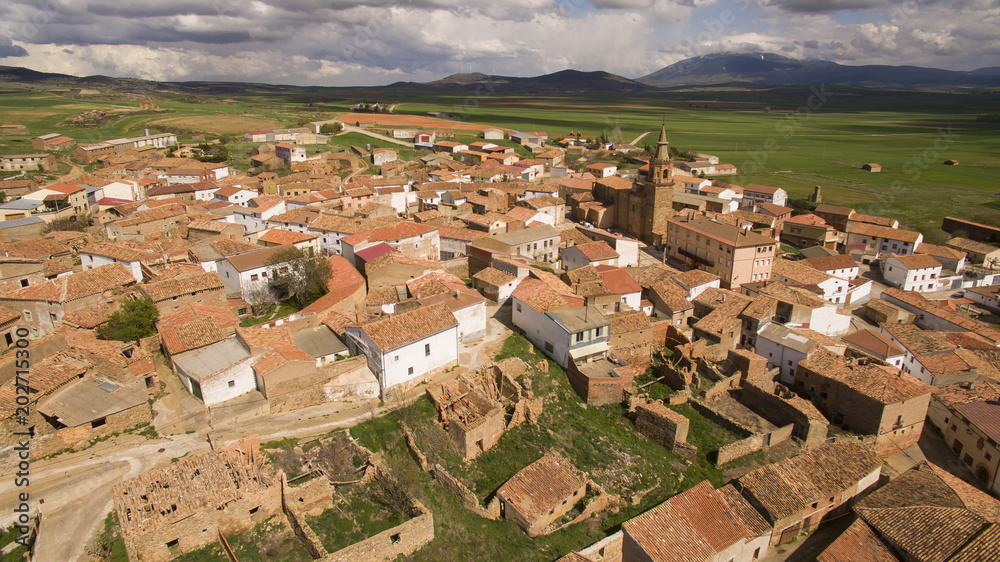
(12, 51)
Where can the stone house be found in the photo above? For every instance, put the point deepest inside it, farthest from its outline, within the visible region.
(43, 306)
(700, 524)
(249, 273)
(541, 493)
(166, 512)
(540, 243)
(866, 398)
(797, 494)
(409, 238)
(173, 293)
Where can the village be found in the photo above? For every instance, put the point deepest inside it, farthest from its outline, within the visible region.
(207, 313)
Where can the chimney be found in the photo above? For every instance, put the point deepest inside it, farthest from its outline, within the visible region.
(146, 132)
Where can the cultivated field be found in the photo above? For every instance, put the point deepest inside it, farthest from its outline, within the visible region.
(792, 137)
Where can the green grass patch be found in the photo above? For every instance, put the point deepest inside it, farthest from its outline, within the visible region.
(358, 514)
(283, 309)
(601, 441)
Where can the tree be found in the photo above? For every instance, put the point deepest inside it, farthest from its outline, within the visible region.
(331, 128)
(131, 322)
(301, 277)
(77, 223)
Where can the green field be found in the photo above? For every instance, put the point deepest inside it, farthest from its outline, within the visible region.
(792, 137)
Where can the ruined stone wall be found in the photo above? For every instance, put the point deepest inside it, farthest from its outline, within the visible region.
(297, 521)
(202, 527)
(662, 425)
(596, 391)
(752, 444)
(784, 409)
(723, 387)
(721, 418)
(401, 540)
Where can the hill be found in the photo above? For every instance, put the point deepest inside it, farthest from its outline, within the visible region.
(564, 81)
(772, 69)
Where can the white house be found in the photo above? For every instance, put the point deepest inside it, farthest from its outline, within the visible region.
(591, 253)
(987, 297)
(103, 254)
(234, 195)
(916, 272)
(254, 218)
(627, 248)
(619, 282)
(406, 347)
(217, 372)
(468, 307)
(754, 194)
(875, 239)
(784, 348)
(840, 265)
(559, 324)
(290, 152)
(124, 189)
(249, 273)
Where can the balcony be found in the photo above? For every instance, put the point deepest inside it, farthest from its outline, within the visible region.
(694, 257)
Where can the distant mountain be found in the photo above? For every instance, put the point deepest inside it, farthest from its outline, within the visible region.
(564, 81)
(772, 69)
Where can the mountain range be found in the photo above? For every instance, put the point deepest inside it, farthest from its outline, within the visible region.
(762, 69)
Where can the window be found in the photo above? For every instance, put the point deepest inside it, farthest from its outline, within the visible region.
(409, 371)
(27, 316)
(427, 349)
(253, 277)
(598, 330)
(579, 337)
(232, 384)
(519, 307)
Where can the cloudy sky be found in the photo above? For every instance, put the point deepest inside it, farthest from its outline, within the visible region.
(370, 42)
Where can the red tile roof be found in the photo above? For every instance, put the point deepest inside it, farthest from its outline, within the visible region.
(542, 486)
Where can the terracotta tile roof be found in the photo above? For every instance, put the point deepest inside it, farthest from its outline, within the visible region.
(158, 213)
(757, 188)
(617, 280)
(797, 272)
(696, 525)
(179, 286)
(542, 297)
(917, 261)
(599, 250)
(279, 236)
(940, 251)
(542, 486)
(34, 248)
(120, 252)
(493, 276)
(793, 295)
(256, 258)
(51, 268)
(810, 220)
(983, 414)
(874, 342)
(886, 232)
(46, 375)
(652, 275)
(519, 213)
(209, 225)
(410, 326)
(192, 334)
(227, 247)
(792, 485)
(72, 287)
(983, 547)
(967, 245)
(695, 278)
(615, 183)
(858, 542)
(829, 263)
(931, 534)
(89, 317)
(917, 301)
(629, 321)
(466, 234)
(886, 385)
(956, 394)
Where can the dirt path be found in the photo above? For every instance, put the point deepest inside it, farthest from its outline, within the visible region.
(635, 141)
(76, 487)
(366, 132)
